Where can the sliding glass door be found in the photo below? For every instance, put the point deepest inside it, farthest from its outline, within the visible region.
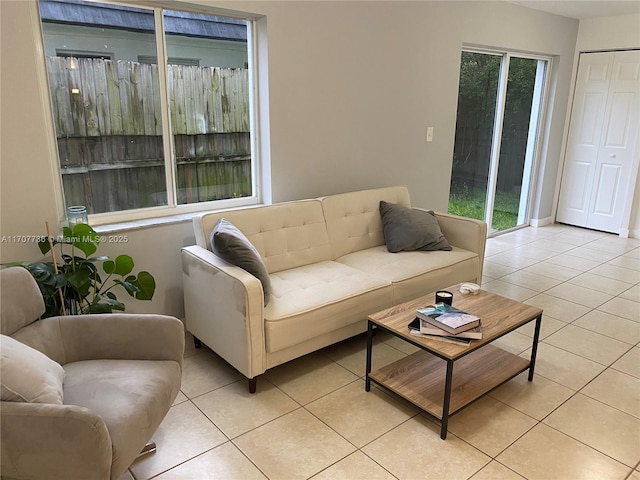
(499, 109)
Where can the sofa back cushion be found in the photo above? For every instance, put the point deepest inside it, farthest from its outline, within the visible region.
(287, 235)
(353, 219)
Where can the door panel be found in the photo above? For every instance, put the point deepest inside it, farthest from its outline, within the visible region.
(584, 139)
(607, 187)
(589, 129)
(619, 120)
(602, 134)
(578, 201)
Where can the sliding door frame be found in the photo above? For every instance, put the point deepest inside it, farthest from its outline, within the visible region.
(541, 87)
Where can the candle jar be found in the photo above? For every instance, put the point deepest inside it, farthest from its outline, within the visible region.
(443, 296)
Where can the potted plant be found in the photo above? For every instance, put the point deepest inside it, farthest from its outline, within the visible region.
(76, 282)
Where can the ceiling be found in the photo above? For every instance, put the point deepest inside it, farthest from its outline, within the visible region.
(583, 8)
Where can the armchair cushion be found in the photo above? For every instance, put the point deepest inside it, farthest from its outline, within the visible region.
(131, 397)
(21, 299)
(231, 245)
(28, 375)
(407, 229)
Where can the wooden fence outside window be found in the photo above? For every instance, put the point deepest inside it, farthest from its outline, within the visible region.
(107, 116)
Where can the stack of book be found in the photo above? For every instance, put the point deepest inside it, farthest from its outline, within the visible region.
(446, 323)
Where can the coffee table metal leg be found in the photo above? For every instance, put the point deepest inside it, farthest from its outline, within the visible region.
(367, 383)
(447, 400)
(534, 347)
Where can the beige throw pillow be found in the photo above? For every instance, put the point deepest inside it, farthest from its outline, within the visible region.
(28, 375)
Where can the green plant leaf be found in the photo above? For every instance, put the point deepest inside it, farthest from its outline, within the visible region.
(67, 233)
(128, 286)
(146, 284)
(80, 280)
(123, 265)
(99, 308)
(44, 245)
(43, 273)
(109, 266)
(85, 230)
(85, 238)
(112, 302)
(100, 258)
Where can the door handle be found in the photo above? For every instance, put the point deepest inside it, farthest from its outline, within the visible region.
(613, 155)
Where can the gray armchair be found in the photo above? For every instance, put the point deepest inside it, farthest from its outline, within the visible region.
(122, 372)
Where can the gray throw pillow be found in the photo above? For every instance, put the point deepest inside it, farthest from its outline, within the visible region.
(231, 245)
(407, 229)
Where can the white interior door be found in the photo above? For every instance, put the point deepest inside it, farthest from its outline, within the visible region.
(600, 159)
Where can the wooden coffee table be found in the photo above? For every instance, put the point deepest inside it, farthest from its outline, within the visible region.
(443, 378)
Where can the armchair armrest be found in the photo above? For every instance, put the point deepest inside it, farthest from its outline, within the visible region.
(75, 442)
(120, 336)
(224, 308)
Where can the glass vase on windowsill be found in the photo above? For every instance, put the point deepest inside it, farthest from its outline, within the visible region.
(77, 214)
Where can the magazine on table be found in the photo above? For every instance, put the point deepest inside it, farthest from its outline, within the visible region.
(414, 329)
(474, 333)
(448, 318)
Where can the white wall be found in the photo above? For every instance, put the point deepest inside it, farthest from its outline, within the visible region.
(352, 87)
(608, 33)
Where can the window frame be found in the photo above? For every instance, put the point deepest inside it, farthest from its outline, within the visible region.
(258, 118)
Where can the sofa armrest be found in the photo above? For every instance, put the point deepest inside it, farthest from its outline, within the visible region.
(464, 232)
(224, 308)
(120, 336)
(43, 441)
(467, 233)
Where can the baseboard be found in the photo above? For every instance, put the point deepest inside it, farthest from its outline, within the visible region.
(624, 233)
(541, 222)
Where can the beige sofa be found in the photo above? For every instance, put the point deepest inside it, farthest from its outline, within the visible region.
(329, 268)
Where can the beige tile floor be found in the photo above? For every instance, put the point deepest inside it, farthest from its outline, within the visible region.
(311, 418)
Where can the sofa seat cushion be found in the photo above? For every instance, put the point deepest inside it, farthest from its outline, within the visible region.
(319, 298)
(414, 273)
(131, 396)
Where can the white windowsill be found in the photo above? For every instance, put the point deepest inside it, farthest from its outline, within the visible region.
(133, 225)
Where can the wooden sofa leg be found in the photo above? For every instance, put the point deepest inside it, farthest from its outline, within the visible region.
(253, 383)
(197, 343)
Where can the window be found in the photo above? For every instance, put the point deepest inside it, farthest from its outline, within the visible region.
(194, 62)
(141, 137)
(83, 54)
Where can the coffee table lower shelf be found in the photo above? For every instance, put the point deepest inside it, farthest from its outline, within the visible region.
(420, 377)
